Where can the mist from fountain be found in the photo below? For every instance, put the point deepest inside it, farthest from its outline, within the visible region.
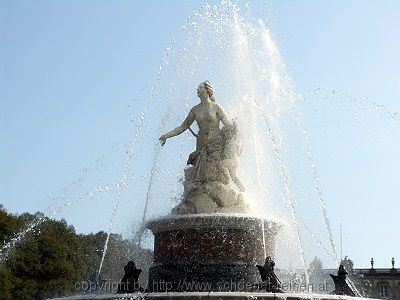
(237, 53)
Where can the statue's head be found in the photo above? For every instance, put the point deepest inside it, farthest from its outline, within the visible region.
(131, 265)
(206, 90)
(269, 261)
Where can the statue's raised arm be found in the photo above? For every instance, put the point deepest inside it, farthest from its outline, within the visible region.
(178, 130)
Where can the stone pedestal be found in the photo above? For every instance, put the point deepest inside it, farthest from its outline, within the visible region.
(209, 252)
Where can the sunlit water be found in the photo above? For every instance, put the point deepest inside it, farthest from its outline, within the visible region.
(236, 52)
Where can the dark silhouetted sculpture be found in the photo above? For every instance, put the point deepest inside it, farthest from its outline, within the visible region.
(341, 286)
(270, 282)
(130, 281)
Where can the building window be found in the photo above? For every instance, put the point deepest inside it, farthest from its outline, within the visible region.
(383, 291)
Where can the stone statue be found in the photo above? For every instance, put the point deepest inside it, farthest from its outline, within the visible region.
(130, 282)
(270, 282)
(211, 183)
(341, 286)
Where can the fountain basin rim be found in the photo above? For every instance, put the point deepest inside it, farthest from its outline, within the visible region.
(212, 296)
(170, 222)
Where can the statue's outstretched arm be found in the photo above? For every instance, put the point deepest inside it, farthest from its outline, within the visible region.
(178, 130)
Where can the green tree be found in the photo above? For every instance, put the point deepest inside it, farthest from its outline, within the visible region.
(317, 275)
(51, 259)
(6, 283)
(9, 225)
(348, 264)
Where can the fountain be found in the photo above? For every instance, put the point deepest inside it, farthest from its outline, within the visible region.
(210, 244)
(216, 234)
(213, 212)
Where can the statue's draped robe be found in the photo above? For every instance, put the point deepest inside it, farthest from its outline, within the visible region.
(211, 184)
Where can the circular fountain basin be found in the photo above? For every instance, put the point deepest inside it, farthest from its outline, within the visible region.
(209, 252)
(211, 296)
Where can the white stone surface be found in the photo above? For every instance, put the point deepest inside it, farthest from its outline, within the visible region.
(212, 184)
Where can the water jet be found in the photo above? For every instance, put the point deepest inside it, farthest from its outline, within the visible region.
(212, 240)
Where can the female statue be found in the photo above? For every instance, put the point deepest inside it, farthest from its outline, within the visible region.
(212, 184)
(207, 114)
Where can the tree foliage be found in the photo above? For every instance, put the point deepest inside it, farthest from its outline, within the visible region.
(53, 260)
(348, 264)
(315, 271)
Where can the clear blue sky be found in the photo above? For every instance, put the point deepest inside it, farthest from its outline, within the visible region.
(74, 75)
